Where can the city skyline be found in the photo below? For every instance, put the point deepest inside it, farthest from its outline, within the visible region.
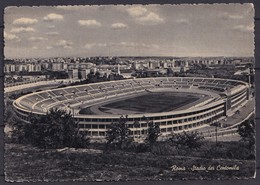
(151, 30)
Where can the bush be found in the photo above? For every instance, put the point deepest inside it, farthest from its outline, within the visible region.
(227, 150)
(163, 148)
(189, 140)
(141, 148)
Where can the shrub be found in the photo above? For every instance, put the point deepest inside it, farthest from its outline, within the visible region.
(189, 140)
(227, 150)
(141, 148)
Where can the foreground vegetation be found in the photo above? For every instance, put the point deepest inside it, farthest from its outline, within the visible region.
(51, 148)
(26, 163)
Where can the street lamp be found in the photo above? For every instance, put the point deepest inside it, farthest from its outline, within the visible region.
(136, 125)
(216, 124)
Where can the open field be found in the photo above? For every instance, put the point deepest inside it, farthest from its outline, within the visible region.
(148, 103)
(26, 163)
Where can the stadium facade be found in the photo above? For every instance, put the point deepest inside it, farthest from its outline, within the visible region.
(223, 97)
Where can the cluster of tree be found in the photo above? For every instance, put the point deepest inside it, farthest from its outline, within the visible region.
(153, 133)
(57, 74)
(118, 134)
(18, 94)
(8, 113)
(11, 79)
(189, 140)
(57, 129)
(244, 77)
(93, 77)
(246, 130)
(101, 61)
(30, 73)
(184, 143)
(97, 77)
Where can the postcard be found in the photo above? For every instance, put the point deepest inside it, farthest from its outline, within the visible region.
(129, 92)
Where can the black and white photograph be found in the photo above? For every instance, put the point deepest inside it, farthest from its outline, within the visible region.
(129, 92)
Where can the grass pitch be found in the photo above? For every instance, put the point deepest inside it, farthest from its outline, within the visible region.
(154, 102)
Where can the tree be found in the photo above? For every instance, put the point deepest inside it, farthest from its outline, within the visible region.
(20, 131)
(8, 112)
(80, 75)
(153, 132)
(246, 130)
(58, 75)
(98, 75)
(57, 129)
(118, 133)
(191, 140)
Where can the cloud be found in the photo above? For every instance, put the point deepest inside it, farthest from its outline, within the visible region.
(51, 26)
(244, 28)
(137, 45)
(52, 33)
(22, 30)
(11, 37)
(53, 17)
(235, 16)
(182, 21)
(122, 44)
(91, 45)
(226, 15)
(101, 44)
(89, 23)
(24, 21)
(69, 7)
(154, 46)
(150, 18)
(127, 44)
(143, 16)
(118, 26)
(136, 11)
(49, 47)
(64, 44)
(35, 39)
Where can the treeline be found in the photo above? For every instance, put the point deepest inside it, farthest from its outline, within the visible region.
(58, 129)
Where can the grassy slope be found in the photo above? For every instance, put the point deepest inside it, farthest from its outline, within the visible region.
(25, 163)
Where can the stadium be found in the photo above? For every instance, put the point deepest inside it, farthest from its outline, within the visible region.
(177, 104)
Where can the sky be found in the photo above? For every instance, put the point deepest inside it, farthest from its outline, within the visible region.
(133, 30)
